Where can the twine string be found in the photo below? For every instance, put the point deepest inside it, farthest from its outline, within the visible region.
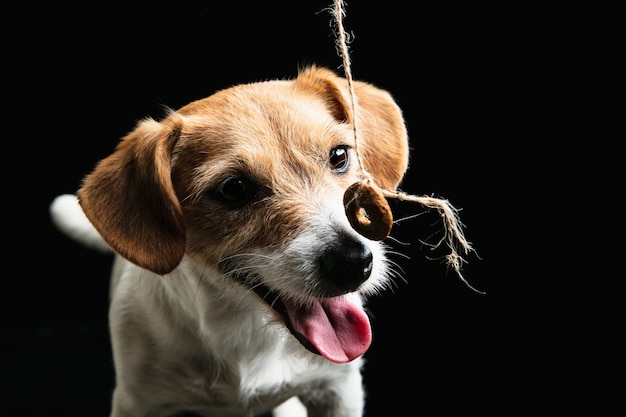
(342, 46)
(453, 236)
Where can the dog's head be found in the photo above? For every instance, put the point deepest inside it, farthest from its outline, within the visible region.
(250, 182)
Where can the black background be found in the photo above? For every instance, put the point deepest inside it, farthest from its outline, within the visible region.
(80, 77)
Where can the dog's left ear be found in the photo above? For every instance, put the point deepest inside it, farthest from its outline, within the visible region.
(381, 131)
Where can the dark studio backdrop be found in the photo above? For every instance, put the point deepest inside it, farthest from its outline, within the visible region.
(82, 78)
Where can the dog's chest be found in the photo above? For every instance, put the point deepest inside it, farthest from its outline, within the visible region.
(254, 385)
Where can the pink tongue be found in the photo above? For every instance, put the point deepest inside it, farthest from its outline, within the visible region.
(338, 329)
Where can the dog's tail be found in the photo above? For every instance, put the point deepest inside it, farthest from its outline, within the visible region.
(68, 216)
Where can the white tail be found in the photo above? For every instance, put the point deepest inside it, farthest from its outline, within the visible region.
(68, 216)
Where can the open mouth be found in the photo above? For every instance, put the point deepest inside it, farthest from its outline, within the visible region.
(335, 327)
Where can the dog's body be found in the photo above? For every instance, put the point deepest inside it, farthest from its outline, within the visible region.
(238, 282)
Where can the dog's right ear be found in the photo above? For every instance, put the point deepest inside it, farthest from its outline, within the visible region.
(130, 200)
(381, 126)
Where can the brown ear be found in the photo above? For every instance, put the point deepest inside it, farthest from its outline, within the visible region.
(130, 200)
(381, 131)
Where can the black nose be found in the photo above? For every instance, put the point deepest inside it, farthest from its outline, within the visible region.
(345, 265)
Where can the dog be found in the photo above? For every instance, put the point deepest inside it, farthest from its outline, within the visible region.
(238, 286)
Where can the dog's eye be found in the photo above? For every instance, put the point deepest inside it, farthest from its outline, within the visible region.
(339, 159)
(236, 191)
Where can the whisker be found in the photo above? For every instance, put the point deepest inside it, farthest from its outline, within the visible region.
(250, 289)
(395, 274)
(399, 241)
(246, 255)
(236, 270)
(400, 254)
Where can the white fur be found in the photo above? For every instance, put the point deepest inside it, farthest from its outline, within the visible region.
(188, 321)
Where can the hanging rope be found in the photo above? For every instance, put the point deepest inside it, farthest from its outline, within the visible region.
(453, 237)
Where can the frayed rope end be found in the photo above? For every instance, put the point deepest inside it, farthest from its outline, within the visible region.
(453, 236)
